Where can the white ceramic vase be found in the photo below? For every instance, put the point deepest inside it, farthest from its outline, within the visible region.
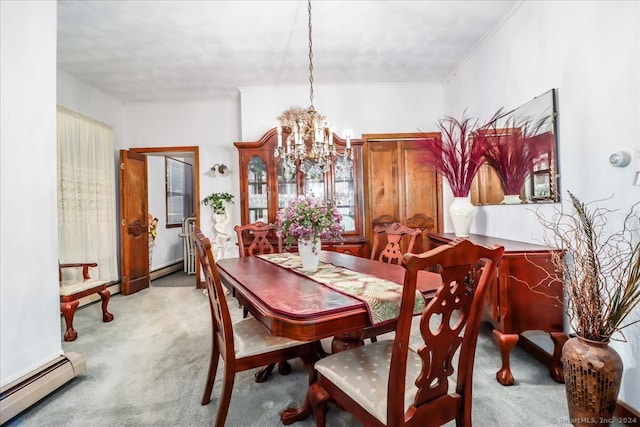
(511, 199)
(462, 212)
(309, 254)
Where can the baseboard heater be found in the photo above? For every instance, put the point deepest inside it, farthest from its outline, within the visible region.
(19, 395)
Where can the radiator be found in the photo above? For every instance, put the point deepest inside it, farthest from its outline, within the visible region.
(188, 225)
(19, 395)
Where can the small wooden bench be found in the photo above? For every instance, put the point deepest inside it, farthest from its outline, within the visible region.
(72, 290)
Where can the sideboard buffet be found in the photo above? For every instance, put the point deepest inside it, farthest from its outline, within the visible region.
(521, 298)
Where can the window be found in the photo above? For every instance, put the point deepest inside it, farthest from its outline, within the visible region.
(179, 191)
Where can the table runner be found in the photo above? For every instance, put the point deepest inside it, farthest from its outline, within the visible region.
(381, 297)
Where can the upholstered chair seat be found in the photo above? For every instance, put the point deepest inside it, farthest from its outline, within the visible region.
(70, 287)
(369, 390)
(250, 337)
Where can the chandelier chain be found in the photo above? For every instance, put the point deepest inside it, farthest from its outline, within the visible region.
(310, 57)
(304, 127)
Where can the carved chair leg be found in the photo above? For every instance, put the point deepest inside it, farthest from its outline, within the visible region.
(105, 295)
(318, 398)
(68, 310)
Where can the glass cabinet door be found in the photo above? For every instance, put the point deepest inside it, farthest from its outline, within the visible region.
(287, 185)
(314, 181)
(257, 191)
(344, 192)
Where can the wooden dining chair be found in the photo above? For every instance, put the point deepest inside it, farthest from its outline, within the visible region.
(393, 234)
(244, 345)
(76, 287)
(387, 383)
(253, 239)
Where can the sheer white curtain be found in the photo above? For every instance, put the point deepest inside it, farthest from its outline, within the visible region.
(86, 194)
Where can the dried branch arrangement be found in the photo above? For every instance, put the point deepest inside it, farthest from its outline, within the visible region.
(459, 153)
(600, 269)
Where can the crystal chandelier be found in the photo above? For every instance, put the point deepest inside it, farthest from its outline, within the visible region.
(302, 125)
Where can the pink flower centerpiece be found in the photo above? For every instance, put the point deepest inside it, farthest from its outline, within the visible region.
(308, 219)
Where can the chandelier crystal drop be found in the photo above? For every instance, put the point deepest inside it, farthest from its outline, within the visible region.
(302, 125)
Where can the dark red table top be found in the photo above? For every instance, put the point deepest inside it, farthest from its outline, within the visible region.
(295, 306)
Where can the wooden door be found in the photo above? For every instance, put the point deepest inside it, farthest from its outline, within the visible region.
(421, 192)
(134, 232)
(399, 186)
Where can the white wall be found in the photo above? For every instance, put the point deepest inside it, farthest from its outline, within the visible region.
(590, 52)
(78, 96)
(30, 331)
(364, 108)
(211, 125)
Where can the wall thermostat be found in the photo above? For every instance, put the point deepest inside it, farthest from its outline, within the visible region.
(620, 158)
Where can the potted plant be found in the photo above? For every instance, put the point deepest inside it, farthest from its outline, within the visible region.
(306, 221)
(457, 156)
(600, 272)
(512, 151)
(216, 201)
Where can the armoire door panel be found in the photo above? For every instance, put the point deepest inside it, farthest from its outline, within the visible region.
(420, 186)
(383, 177)
(399, 186)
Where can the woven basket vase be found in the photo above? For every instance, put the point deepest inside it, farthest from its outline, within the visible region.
(592, 375)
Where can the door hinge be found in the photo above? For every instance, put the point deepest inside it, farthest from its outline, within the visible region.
(123, 223)
(122, 165)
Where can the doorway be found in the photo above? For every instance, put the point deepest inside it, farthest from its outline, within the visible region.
(187, 152)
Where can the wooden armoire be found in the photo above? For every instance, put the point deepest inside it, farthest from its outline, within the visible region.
(399, 186)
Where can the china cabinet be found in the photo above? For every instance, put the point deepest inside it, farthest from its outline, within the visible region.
(266, 185)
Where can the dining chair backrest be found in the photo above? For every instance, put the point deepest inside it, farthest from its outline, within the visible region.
(259, 243)
(393, 234)
(450, 323)
(405, 382)
(220, 316)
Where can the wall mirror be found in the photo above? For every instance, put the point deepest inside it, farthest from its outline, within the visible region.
(533, 125)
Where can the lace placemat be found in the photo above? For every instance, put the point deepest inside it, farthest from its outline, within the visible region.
(382, 297)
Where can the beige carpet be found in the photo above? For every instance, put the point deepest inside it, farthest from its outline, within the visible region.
(148, 368)
(175, 280)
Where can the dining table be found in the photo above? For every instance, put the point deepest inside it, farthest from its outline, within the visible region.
(306, 306)
(293, 304)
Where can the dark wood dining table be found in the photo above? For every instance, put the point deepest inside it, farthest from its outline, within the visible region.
(295, 306)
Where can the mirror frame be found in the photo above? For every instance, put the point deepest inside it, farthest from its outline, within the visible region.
(543, 183)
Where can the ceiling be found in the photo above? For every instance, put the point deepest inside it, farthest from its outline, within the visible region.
(144, 50)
